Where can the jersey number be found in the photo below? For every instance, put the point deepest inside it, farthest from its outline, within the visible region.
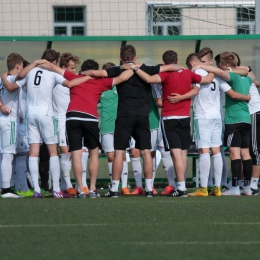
(214, 86)
(37, 79)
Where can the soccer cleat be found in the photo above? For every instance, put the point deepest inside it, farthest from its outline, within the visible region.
(10, 195)
(178, 193)
(86, 190)
(154, 191)
(246, 190)
(81, 195)
(111, 194)
(200, 192)
(125, 191)
(149, 194)
(210, 189)
(215, 192)
(231, 192)
(38, 195)
(45, 193)
(138, 191)
(27, 194)
(224, 188)
(168, 190)
(93, 194)
(71, 191)
(60, 195)
(254, 191)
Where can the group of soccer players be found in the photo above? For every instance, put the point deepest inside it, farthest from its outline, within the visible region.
(47, 102)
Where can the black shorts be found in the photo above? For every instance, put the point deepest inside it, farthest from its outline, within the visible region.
(237, 135)
(255, 138)
(176, 133)
(79, 128)
(135, 126)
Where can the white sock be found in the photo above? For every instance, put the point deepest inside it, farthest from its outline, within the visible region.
(148, 184)
(115, 185)
(154, 169)
(65, 165)
(137, 169)
(29, 178)
(181, 185)
(210, 178)
(224, 170)
(109, 165)
(204, 167)
(63, 185)
(34, 171)
(254, 183)
(0, 171)
(21, 172)
(6, 169)
(124, 175)
(84, 160)
(168, 167)
(218, 167)
(241, 183)
(13, 176)
(55, 172)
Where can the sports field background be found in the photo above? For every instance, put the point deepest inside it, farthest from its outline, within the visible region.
(131, 228)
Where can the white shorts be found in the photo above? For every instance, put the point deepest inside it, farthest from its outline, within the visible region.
(8, 135)
(22, 142)
(41, 129)
(62, 131)
(160, 137)
(207, 133)
(154, 140)
(107, 142)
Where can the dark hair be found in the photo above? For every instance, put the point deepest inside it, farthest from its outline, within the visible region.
(89, 65)
(191, 57)
(217, 58)
(51, 55)
(205, 51)
(108, 65)
(170, 57)
(25, 63)
(127, 53)
(66, 57)
(13, 59)
(238, 59)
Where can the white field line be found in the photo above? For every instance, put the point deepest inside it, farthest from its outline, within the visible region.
(192, 243)
(238, 223)
(54, 225)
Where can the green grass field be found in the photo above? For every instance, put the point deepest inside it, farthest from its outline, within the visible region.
(131, 228)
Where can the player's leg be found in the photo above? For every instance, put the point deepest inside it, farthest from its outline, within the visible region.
(84, 160)
(154, 137)
(124, 177)
(44, 166)
(93, 166)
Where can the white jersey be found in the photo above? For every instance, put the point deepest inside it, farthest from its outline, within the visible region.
(40, 84)
(22, 103)
(254, 103)
(61, 100)
(157, 90)
(206, 105)
(10, 99)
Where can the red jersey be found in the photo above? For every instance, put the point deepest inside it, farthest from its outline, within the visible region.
(85, 97)
(177, 82)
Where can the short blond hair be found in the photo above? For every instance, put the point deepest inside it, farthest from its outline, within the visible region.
(206, 51)
(229, 58)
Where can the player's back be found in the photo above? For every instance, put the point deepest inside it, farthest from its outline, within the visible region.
(40, 84)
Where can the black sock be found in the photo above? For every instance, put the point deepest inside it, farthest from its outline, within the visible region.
(247, 169)
(236, 168)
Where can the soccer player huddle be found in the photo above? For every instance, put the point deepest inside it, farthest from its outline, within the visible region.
(47, 102)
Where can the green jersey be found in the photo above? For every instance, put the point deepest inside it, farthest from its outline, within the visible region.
(108, 101)
(153, 116)
(237, 111)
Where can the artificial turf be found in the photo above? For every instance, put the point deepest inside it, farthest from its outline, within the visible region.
(130, 228)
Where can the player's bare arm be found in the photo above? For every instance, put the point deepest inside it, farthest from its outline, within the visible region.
(8, 85)
(95, 73)
(219, 72)
(51, 67)
(175, 97)
(235, 95)
(207, 79)
(75, 82)
(26, 70)
(127, 66)
(170, 67)
(4, 110)
(123, 77)
(252, 75)
(158, 102)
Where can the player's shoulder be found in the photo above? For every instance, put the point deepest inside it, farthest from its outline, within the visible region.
(201, 72)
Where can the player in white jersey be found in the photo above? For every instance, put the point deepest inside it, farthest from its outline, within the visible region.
(166, 156)
(9, 118)
(208, 126)
(61, 99)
